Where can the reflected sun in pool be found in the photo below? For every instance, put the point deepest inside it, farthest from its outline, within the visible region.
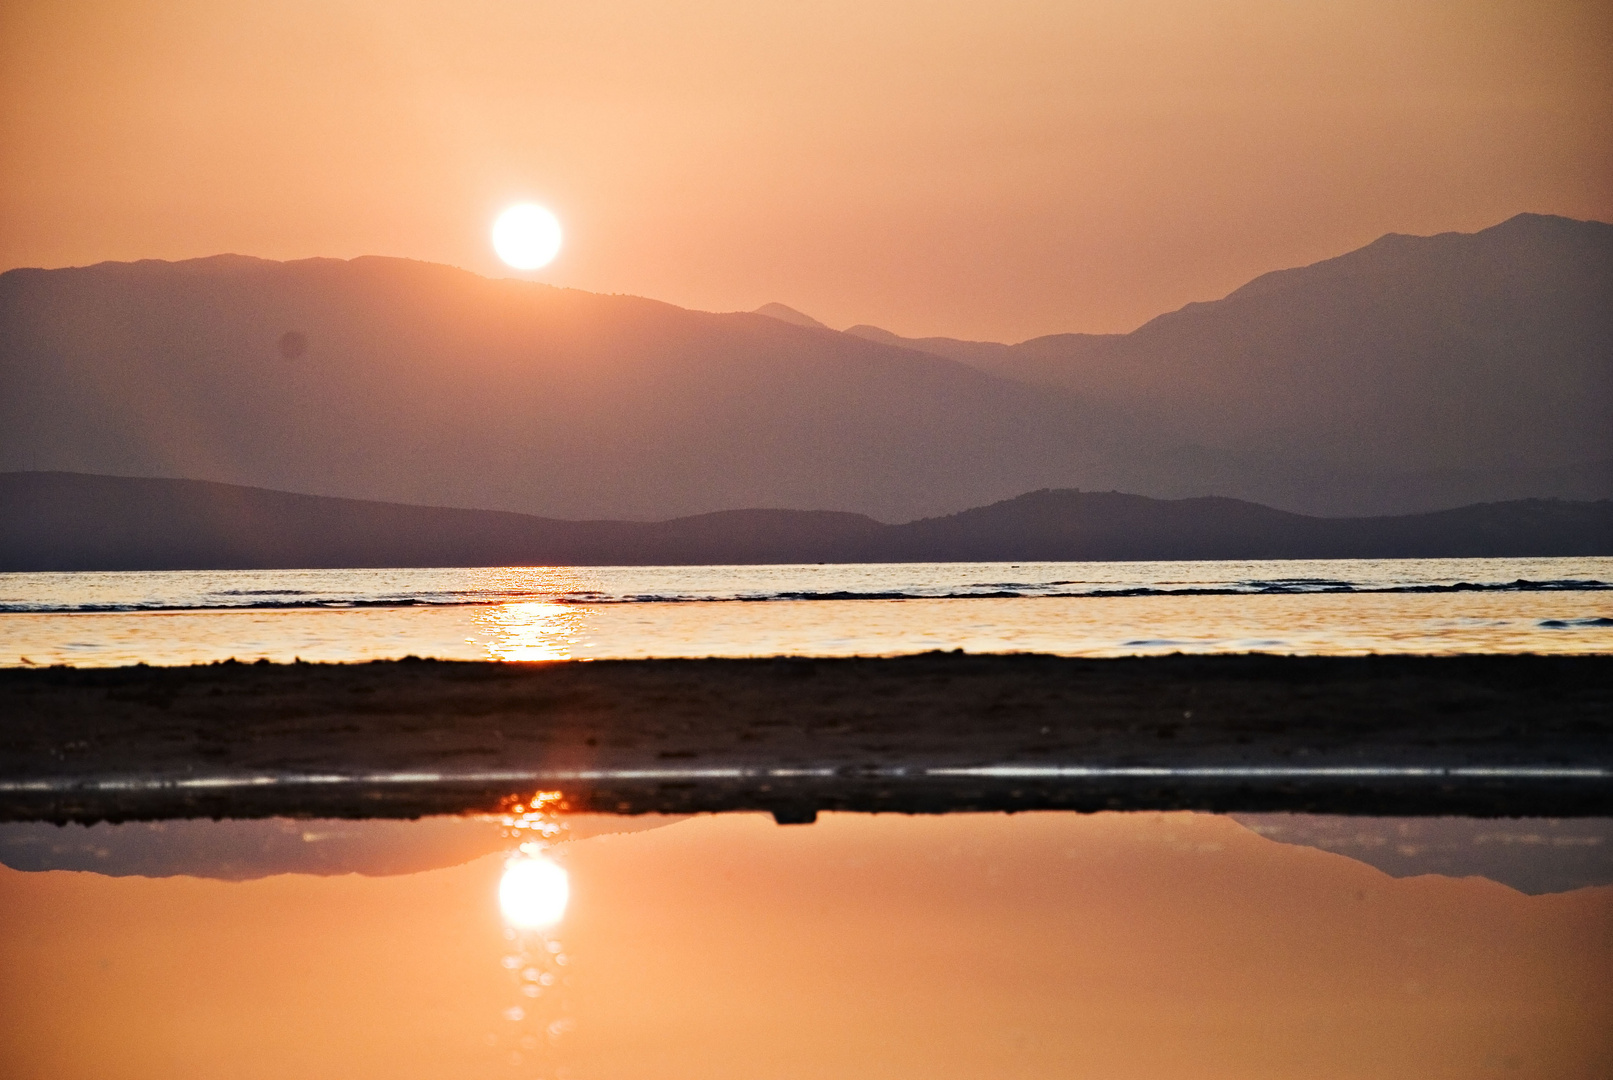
(533, 892)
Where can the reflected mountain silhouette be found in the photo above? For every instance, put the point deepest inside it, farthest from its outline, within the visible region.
(1533, 856)
(241, 850)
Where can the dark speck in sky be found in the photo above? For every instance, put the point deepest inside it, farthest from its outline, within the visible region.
(293, 344)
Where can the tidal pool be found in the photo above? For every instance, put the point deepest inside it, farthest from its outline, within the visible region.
(1148, 945)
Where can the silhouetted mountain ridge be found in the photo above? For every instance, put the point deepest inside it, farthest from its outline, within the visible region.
(1413, 374)
(66, 521)
(430, 385)
(1489, 351)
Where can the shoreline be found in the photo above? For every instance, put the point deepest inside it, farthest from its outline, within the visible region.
(1509, 735)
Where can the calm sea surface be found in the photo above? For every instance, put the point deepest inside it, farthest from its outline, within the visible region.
(1077, 609)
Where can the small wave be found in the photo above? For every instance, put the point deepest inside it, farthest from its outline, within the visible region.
(154, 607)
(1574, 624)
(263, 600)
(1521, 585)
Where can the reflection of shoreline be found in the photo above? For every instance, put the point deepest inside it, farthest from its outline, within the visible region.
(234, 849)
(1532, 855)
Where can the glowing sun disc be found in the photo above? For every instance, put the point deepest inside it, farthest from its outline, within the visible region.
(527, 236)
(533, 892)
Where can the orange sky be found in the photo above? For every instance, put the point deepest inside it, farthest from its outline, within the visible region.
(978, 169)
(1123, 947)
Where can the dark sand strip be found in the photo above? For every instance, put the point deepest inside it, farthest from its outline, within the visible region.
(1477, 735)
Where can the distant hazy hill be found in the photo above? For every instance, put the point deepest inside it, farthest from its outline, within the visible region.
(1414, 374)
(405, 381)
(1482, 361)
(64, 521)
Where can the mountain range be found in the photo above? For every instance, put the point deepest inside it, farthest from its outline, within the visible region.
(66, 521)
(1484, 351)
(1415, 374)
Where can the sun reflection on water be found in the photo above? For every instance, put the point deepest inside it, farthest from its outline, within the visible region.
(530, 630)
(532, 896)
(533, 892)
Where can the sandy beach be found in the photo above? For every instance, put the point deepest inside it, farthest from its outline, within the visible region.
(1485, 736)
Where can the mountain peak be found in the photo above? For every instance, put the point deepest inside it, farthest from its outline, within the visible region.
(1514, 242)
(788, 314)
(1541, 222)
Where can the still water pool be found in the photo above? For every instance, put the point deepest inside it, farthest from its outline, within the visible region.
(1153, 946)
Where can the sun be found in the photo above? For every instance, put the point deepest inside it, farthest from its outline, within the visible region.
(527, 236)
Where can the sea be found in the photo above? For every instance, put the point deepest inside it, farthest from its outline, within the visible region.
(1341, 607)
(540, 945)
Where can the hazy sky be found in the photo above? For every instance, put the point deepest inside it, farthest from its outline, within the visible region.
(992, 169)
